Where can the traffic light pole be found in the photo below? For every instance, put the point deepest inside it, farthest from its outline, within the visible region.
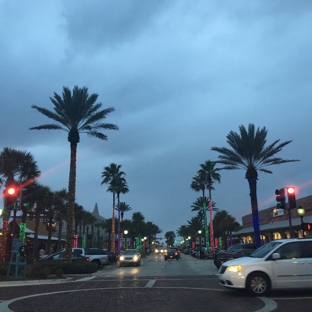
(290, 225)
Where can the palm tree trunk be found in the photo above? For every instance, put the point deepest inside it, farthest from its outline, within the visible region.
(205, 220)
(35, 246)
(212, 245)
(59, 240)
(70, 212)
(4, 236)
(255, 213)
(113, 226)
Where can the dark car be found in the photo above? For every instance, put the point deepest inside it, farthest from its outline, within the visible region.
(233, 252)
(226, 256)
(171, 254)
(60, 256)
(177, 250)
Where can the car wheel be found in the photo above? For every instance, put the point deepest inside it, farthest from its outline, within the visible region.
(257, 284)
(120, 265)
(97, 262)
(166, 259)
(177, 258)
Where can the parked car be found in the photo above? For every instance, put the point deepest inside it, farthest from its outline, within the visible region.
(130, 256)
(232, 249)
(96, 255)
(60, 256)
(285, 263)
(171, 254)
(225, 256)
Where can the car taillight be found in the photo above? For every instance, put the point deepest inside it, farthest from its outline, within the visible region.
(88, 259)
(230, 257)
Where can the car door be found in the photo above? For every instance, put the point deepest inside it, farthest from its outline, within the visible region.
(306, 248)
(290, 270)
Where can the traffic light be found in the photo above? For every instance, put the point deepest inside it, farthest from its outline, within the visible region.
(11, 194)
(280, 198)
(306, 226)
(24, 199)
(291, 192)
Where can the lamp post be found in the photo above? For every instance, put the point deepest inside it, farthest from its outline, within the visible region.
(301, 212)
(200, 251)
(125, 232)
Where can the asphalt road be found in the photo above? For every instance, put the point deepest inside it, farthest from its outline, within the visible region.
(187, 284)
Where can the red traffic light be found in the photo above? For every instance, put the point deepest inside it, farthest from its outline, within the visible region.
(291, 190)
(11, 191)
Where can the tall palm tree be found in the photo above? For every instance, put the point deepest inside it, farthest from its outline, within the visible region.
(205, 178)
(210, 174)
(75, 112)
(111, 175)
(19, 168)
(249, 151)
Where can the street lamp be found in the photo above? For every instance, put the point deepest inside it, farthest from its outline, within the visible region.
(301, 212)
(200, 251)
(125, 232)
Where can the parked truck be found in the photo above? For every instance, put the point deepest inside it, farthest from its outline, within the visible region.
(94, 254)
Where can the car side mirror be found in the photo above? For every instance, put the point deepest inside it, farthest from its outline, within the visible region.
(276, 256)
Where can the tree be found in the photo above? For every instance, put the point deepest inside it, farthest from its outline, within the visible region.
(170, 237)
(249, 151)
(205, 178)
(20, 168)
(60, 210)
(42, 195)
(111, 175)
(120, 186)
(200, 202)
(75, 112)
(224, 224)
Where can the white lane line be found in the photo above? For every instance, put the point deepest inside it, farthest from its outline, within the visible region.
(150, 283)
(269, 304)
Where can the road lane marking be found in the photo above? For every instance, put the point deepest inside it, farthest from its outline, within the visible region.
(150, 283)
(269, 305)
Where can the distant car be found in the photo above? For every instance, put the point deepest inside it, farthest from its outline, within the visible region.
(60, 256)
(232, 249)
(178, 251)
(130, 256)
(171, 254)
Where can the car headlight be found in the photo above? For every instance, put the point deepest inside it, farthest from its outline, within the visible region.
(135, 258)
(234, 268)
(122, 258)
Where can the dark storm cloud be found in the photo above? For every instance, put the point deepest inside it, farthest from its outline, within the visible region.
(96, 24)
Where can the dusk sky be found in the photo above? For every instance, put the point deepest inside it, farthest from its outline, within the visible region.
(180, 74)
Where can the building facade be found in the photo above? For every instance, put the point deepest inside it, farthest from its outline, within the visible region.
(277, 223)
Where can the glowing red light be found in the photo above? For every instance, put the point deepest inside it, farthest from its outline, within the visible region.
(291, 190)
(11, 190)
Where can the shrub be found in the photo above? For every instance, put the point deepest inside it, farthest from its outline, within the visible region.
(4, 268)
(59, 273)
(75, 267)
(39, 272)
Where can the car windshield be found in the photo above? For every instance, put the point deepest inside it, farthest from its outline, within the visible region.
(129, 252)
(265, 249)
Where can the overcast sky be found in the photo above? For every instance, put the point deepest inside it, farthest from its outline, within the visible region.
(181, 74)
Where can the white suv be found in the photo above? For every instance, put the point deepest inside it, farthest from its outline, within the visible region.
(285, 263)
